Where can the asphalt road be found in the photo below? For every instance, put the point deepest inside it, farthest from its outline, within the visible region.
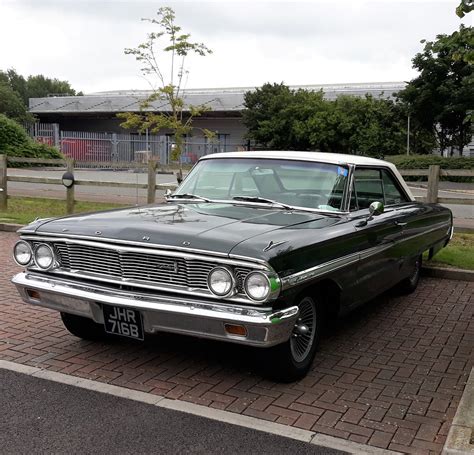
(39, 416)
(133, 196)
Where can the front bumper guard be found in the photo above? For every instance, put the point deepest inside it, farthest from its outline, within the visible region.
(265, 327)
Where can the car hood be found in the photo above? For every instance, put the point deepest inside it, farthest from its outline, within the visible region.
(213, 227)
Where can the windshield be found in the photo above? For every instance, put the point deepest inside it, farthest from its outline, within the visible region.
(288, 183)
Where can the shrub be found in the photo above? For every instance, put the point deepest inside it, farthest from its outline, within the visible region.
(11, 134)
(14, 141)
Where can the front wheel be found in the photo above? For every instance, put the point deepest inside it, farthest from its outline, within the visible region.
(291, 360)
(84, 328)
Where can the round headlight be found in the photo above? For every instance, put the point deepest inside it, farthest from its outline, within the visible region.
(44, 256)
(22, 253)
(257, 286)
(220, 281)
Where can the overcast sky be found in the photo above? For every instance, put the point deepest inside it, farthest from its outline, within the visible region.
(310, 42)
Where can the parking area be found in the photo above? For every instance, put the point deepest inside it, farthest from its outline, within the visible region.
(390, 375)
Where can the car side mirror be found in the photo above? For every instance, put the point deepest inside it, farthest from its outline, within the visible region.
(168, 193)
(376, 208)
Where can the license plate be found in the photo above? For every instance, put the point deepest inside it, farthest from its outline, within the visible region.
(123, 321)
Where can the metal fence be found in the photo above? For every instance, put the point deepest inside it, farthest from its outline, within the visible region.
(107, 149)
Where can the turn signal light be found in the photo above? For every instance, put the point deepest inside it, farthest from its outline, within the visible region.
(239, 330)
(33, 294)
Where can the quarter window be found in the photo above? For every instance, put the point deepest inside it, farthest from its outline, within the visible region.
(393, 195)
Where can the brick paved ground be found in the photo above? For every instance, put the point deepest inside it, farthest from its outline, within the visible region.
(390, 375)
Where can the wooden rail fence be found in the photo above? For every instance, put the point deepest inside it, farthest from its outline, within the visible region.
(433, 174)
(151, 186)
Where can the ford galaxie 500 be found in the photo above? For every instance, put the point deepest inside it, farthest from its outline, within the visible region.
(253, 248)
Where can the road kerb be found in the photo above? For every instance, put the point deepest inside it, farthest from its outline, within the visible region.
(460, 438)
(201, 411)
(10, 227)
(448, 273)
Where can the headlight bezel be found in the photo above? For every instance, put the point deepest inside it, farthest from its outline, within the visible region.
(232, 286)
(31, 259)
(53, 256)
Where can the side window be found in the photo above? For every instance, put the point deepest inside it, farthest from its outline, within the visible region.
(368, 187)
(393, 195)
(375, 185)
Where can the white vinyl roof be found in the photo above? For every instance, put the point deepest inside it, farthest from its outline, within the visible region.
(332, 158)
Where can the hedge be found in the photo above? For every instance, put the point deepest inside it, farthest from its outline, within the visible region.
(14, 141)
(424, 161)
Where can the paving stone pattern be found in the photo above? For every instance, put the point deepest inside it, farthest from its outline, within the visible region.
(389, 375)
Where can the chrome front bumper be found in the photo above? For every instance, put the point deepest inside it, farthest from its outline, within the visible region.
(265, 327)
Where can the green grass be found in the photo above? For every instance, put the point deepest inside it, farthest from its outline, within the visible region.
(459, 253)
(23, 210)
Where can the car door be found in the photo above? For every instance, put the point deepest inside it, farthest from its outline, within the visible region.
(377, 236)
(422, 224)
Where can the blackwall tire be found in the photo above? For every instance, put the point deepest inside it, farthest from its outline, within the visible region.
(292, 360)
(84, 328)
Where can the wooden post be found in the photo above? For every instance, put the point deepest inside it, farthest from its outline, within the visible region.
(152, 163)
(433, 183)
(70, 191)
(3, 184)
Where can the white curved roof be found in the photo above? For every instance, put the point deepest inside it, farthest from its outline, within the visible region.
(333, 158)
(216, 99)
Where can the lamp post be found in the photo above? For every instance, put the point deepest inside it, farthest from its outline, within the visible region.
(408, 134)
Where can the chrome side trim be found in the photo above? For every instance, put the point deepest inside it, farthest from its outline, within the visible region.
(318, 270)
(336, 264)
(420, 234)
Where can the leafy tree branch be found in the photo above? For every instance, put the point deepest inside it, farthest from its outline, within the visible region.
(163, 56)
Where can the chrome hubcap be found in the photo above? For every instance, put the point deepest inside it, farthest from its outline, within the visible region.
(303, 333)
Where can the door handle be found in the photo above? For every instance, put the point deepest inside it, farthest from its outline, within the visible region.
(400, 223)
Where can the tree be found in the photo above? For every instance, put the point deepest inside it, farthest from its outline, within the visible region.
(441, 97)
(12, 105)
(280, 118)
(273, 117)
(40, 86)
(37, 86)
(165, 70)
(464, 7)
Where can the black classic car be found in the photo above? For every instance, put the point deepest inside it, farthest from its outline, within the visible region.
(253, 247)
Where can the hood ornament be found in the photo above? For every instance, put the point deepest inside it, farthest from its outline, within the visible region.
(271, 245)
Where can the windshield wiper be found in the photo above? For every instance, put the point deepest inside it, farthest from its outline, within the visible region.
(262, 200)
(189, 196)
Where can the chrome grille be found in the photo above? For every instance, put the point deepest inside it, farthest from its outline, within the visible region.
(138, 266)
